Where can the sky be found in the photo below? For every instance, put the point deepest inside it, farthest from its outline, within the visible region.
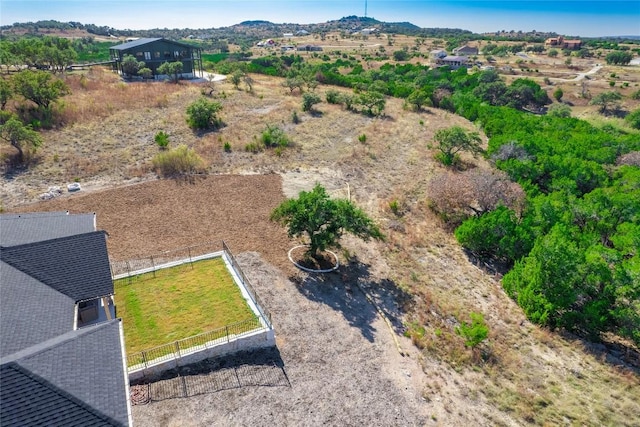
(583, 18)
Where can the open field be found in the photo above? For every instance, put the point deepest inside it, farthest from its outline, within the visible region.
(338, 353)
(177, 303)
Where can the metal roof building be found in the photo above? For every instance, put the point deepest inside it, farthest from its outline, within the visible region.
(156, 51)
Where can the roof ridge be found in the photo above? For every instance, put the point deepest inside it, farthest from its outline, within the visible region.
(55, 239)
(55, 342)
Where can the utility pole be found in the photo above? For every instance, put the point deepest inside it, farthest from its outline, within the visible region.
(365, 8)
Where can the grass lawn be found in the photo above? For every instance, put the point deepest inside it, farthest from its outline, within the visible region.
(178, 303)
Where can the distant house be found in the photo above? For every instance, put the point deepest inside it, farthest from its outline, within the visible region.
(61, 348)
(465, 50)
(437, 54)
(287, 35)
(156, 51)
(302, 33)
(309, 48)
(454, 62)
(563, 43)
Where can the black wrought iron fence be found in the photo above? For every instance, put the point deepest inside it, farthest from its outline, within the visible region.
(176, 349)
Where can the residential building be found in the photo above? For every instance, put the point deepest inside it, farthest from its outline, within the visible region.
(62, 359)
(155, 52)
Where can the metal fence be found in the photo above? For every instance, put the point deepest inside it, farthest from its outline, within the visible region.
(155, 265)
(176, 349)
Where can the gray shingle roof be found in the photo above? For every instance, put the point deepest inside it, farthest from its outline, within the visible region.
(76, 266)
(18, 229)
(51, 374)
(30, 311)
(71, 380)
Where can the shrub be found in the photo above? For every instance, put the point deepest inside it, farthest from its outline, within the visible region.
(559, 110)
(309, 100)
(333, 97)
(162, 139)
(294, 117)
(227, 147)
(273, 136)
(203, 114)
(362, 138)
(180, 161)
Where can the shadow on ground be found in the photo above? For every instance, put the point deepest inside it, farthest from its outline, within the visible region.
(263, 367)
(348, 291)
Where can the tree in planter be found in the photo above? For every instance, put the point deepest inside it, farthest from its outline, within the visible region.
(324, 220)
(20, 137)
(203, 114)
(453, 140)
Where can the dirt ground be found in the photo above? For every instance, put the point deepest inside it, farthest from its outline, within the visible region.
(336, 361)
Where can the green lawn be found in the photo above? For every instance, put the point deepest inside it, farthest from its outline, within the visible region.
(178, 303)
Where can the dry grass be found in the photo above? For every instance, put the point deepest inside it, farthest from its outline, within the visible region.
(529, 375)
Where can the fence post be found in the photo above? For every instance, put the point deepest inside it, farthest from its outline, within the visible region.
(144, 359)
(128, 270)
(178, 349)
(153, 266)
(227, 330)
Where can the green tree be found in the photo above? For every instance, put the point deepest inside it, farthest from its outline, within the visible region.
(323, 220)
(172, 69)
(475, 332)
(372, 102)
(6, 92)
(236, 78)
(145, 72)
(310, 99)
(203, 114)
(452, 141)
(557, 94)
(633, 118)
(131, 66)
(20, 137)
(39, 87)
(618, 58)
(607, 101)
(418, 99)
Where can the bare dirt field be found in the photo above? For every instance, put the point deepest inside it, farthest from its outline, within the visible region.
(336, 361)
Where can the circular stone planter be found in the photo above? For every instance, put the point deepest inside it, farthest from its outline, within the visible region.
(311, 270)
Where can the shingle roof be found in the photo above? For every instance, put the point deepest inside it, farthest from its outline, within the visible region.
(75, 266)
(73, 379)
(51, 374)
(18, 229)
(30, 311)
